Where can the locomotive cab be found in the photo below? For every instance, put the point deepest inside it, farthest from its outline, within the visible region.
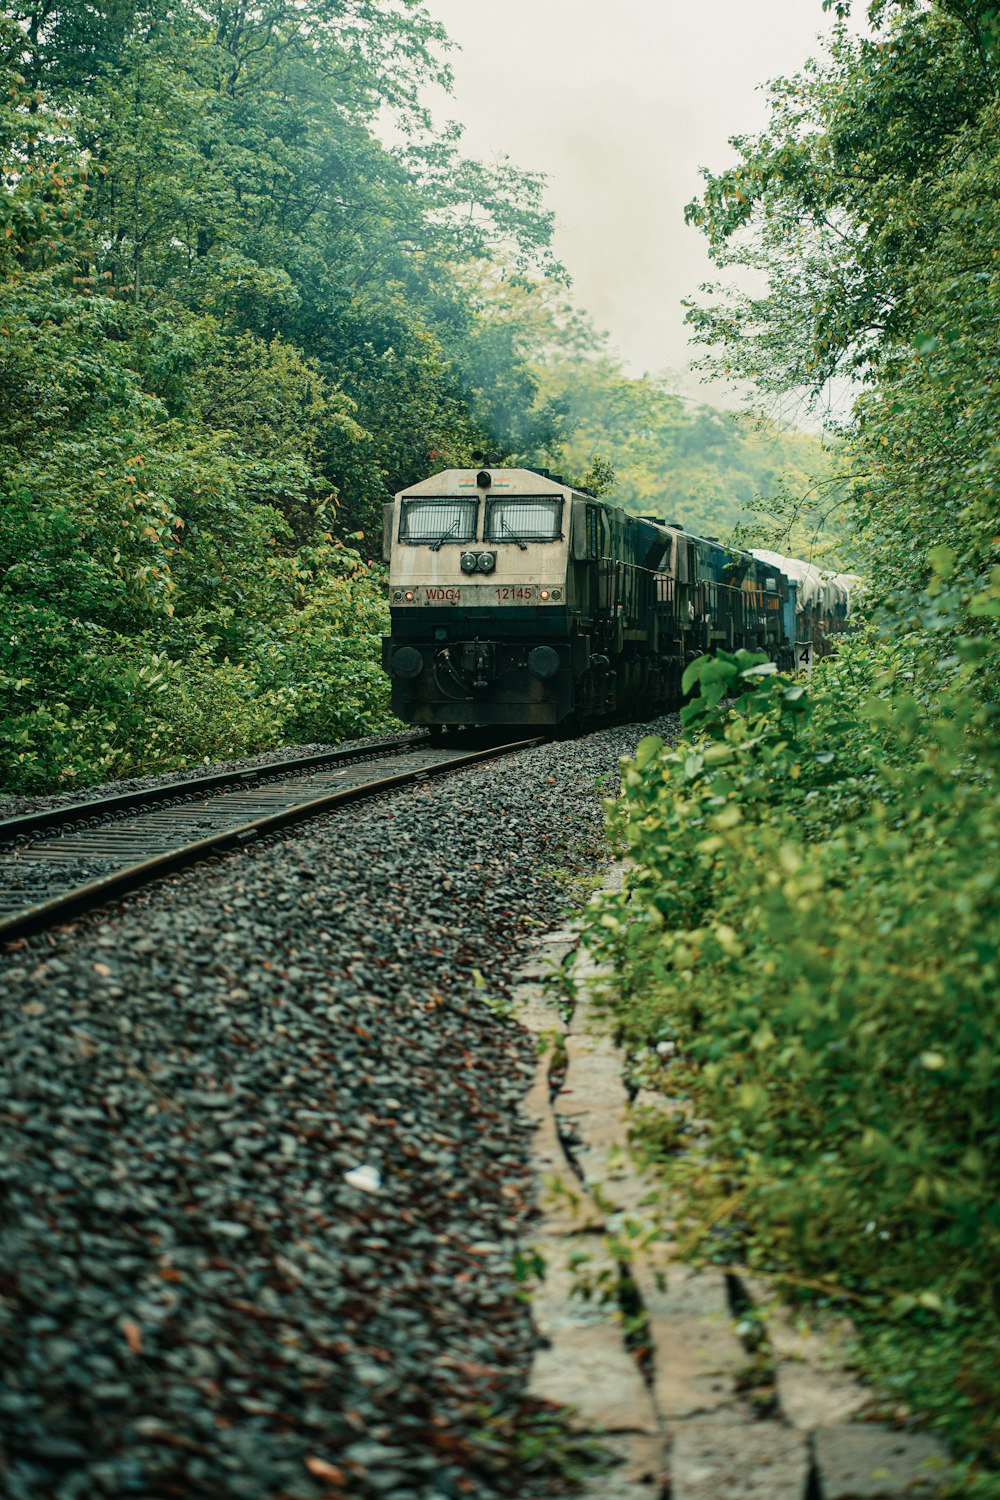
(480, 594)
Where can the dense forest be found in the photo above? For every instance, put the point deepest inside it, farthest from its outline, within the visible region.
(813, 923)
(232, 321)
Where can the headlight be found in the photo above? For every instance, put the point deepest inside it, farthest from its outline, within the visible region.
(468, 562)
(407, 662)
(543, 662)
(487, 562)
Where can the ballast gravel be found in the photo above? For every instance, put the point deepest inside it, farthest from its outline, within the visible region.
(262, 1170)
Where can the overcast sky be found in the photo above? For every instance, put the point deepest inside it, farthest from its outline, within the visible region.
(619, 102)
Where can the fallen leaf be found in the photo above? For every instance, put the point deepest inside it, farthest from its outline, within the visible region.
(133, 1336)
(320, 1469)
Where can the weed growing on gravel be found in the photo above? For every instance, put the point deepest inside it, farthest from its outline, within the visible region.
(578, 883)
(554, 1042)
(548, 1447)
(501, 1005)
(528, 1265)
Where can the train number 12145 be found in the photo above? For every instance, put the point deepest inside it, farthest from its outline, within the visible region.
(513, 593)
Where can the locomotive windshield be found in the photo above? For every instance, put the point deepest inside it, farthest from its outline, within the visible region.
(439, 521)
(524, 518)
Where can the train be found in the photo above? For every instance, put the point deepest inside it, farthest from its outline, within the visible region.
(517, 599)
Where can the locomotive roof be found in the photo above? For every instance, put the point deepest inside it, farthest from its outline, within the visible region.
(504, 482)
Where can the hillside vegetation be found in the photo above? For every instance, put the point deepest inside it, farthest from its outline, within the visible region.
(651, 450)
(813, 920)
(712, 471)
(228, 327)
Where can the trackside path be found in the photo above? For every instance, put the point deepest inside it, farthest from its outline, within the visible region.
(656, 1354)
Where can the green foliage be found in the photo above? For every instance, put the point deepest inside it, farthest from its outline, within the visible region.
(42, 181)
(152, 597)
(870, 204)
(542, 375)
(81, 702)
(814, 916)
(813, 919)
(701, 467)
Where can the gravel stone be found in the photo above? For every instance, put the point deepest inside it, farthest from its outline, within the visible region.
(193, 1300)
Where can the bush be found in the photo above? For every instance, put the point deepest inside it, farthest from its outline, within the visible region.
(813, 920)
(82, 703)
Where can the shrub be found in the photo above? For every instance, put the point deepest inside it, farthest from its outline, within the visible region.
(813, 919)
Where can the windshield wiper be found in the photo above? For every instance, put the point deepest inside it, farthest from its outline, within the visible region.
(436, 546)
(511, 532)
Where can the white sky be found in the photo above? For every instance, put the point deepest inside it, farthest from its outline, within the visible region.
(619, 102)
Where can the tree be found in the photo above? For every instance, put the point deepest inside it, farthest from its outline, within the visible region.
(870, 203)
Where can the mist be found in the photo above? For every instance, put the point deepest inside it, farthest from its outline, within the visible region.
(620, 107)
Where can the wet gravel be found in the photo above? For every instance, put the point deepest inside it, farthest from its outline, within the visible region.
(12, 806)
(200, 1293)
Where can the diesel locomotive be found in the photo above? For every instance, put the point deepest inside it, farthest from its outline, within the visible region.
(516, 599)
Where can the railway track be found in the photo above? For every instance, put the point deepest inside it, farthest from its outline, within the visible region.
(64, 861)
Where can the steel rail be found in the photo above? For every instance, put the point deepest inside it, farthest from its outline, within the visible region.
(26, 825)
(122, 882)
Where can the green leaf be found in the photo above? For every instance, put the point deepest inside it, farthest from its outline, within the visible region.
(692, 672)
(942, 559)
(647, 749)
